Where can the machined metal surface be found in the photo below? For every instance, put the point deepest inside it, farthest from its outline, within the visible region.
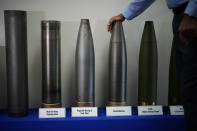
(16, 60)
(84, 65)
(147, 91)
(117, 66)
(51, 64)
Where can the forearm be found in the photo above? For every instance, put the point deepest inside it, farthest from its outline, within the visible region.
(136, 8)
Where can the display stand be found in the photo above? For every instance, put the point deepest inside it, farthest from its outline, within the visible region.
(100, 123)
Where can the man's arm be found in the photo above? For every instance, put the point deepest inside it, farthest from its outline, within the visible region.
(188, 26)
(191, 8)
(134, 9)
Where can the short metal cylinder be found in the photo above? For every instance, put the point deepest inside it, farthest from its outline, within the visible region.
(117, 66)
(51, 61)
(16, 59)
(84, 65)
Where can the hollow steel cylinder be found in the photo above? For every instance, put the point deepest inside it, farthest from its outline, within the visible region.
(51, 64)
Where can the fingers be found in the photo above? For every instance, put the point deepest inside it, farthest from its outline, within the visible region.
(109, 25)
(118, 17)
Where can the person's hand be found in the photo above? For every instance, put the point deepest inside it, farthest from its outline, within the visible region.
(114, 18)
(188, 28)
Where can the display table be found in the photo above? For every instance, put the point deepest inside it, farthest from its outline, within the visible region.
(100, 123)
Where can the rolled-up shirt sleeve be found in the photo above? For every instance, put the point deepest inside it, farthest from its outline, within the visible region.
(135, 8)
(191, 8)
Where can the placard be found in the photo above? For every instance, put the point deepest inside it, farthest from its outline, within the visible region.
(118, 111)
(84, 112)
(150, 110)
(52, 112)
(177, 110)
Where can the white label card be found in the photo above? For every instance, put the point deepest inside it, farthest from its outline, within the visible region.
(118, 111)
(52, 112)
(176, 110)
(84, 111)
(150, 110)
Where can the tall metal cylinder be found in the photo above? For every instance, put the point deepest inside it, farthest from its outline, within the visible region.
(117, 66)
(147, 91)
(51, 77)
(174, 97)
(84, 64)
(16, 59)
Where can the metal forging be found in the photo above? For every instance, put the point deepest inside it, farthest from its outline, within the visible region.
(16, 60)
(51, 77)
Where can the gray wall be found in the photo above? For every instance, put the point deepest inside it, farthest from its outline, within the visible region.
(69, 12)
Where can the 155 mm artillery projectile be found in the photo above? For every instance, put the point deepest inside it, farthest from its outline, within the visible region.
(84, 65)
(117, 66)
(147, 92)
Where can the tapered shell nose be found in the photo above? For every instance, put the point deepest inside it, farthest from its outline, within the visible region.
(84, 30)
(84, 65)
(85, 21)
(149, 32)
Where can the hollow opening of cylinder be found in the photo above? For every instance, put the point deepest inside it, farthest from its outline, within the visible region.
(51, 24)
(50, 21)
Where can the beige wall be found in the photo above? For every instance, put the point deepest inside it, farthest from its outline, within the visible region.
(69, 12)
